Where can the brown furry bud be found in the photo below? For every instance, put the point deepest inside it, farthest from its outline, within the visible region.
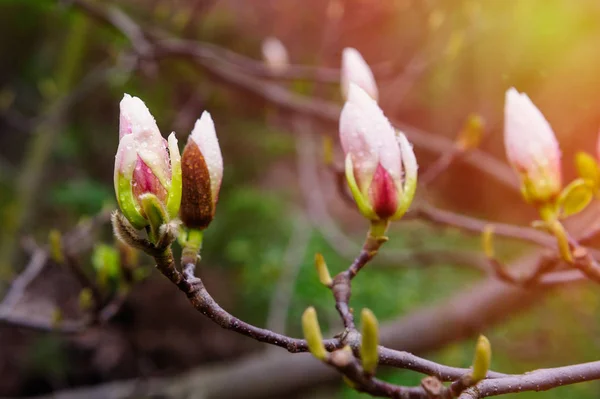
(197, 207)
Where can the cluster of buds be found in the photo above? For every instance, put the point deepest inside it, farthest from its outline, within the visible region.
(380, 165)
(149, 177)
(147, 167)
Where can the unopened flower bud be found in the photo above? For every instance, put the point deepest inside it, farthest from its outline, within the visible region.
(202, 166)
(275, 55)
(356, 70)
(531, 148)
(145, 163)
(381, 168)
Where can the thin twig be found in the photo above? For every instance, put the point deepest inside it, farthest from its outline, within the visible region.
(199, 297)
(538, 380)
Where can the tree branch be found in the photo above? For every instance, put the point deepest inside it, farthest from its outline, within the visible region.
(538, 380)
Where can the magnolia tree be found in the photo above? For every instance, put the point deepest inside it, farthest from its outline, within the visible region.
(165, 198)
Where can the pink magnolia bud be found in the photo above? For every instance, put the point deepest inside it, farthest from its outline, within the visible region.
(381, 167)
(145, 163)
(275, 55)
(531, 148)
(356, 70)
(202, 174)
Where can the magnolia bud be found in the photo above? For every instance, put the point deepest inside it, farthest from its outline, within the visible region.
(531, 148)
(381, 167)
(202, 167)
(356, 70)
(143, 164)
(275, 55)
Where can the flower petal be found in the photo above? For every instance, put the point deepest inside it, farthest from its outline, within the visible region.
(368, 136)
(356, 70)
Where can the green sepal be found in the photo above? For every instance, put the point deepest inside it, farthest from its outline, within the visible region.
(575, 197)
(127, 203)
(406, 193)
(370, 341)
(174, 196)
(587, 169)
(526, 190)
(406, 197)
(155, 213)
(542, 190)
(361, 201)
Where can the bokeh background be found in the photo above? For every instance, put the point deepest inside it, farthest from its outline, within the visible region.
(63, 73)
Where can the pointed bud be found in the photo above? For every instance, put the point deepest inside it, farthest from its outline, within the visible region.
(531, 148)
(312, 333)
(143, 164)
(381, 167)
(481, 359)
(202, 168)
(322, 270)
(356, 70)
(370, 341)
(275, 55)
